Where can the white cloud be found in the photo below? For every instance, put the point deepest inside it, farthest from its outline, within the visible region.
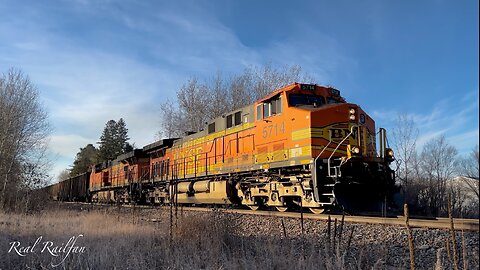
(67, 145)
(456, 118)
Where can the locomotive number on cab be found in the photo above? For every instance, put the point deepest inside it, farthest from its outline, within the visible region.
(273, 130)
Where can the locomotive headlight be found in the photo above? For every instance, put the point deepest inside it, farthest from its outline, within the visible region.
(355, 150)
(389, 155)
(352, 114)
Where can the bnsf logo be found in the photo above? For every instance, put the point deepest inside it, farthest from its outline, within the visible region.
(337, 134)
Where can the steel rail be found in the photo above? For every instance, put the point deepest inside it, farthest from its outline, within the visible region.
(415, 222)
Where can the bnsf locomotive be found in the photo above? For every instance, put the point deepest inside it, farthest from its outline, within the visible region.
(301, 146)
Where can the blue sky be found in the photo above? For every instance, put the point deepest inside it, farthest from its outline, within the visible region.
(95, 60)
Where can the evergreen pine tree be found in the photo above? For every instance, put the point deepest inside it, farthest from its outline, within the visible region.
(113, 141)
(84, 159)
(122, 136)
(107, 147)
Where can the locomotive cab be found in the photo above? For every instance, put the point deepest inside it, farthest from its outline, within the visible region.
(346, 169)
(325, 149)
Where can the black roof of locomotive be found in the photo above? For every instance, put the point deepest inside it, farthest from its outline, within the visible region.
(135, 153)
(159, 144)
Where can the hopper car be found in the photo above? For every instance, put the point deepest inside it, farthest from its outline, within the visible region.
(71, 189)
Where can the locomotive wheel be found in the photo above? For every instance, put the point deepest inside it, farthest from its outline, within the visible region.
(281, 208)
(254, 207)
(316, 211)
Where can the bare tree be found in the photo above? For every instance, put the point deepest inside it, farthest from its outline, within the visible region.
(219, 101)
(438, 166)
(168, 114)
(193, 103)
(405, 136)
(241, 93)
(427, 179)
(469, 165)
(63, 175)
(23, 136)
(469, 168)
(469, 175)
(268, 78)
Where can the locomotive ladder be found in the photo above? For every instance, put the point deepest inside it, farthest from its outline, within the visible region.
(324, 192)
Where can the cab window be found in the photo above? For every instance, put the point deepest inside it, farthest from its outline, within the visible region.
(271, 107)
(259, 112)
(296, 100)
(277, 105)
(332, 100)
(266, 110)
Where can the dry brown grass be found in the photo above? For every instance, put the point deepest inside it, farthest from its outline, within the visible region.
(122, 238)
(110, 242)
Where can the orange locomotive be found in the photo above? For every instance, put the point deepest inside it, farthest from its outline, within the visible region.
(301, 146)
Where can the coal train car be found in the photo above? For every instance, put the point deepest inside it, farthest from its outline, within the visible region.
(73, 189)
(301, 146)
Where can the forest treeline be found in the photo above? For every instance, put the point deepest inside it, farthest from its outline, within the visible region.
(431, 175)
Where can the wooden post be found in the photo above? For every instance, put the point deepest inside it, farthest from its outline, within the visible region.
(171, 212)
(340, 234)
(452, 233)
(447, 246)
(335, 228)
(410, 238)
(335, 234)
(284, 231)
(303, 236)
(301, 214)
(329, 220)
(349, 241)
(133, 213)
(176, 203)
(464, 252)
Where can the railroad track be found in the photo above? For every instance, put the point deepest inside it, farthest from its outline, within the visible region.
(414, 222)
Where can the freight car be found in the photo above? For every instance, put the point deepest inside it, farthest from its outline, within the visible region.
(73, 189)
(301, 146)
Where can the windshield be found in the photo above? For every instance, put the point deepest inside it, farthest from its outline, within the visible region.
(301, 100)
(331, 100)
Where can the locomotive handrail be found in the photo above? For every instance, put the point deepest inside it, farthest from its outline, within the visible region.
(321, 152)
(336, 148)
(314, 171)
